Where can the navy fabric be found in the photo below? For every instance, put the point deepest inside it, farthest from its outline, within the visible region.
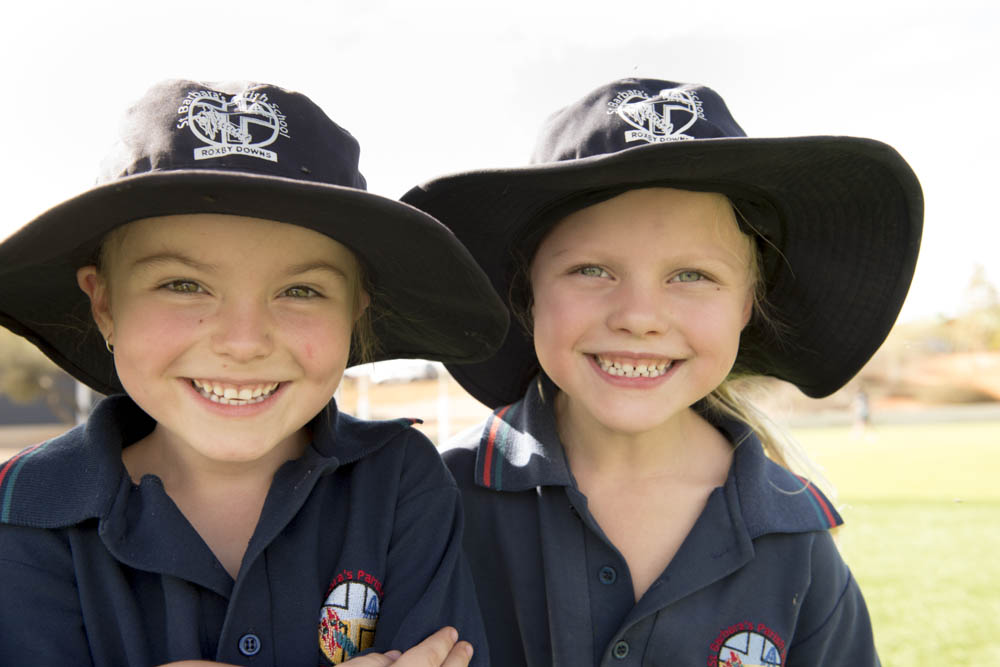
(757, 579)
(97, 570)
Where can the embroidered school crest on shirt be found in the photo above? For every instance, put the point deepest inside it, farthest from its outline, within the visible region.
(349, 615)
(658, 119)
(241, 124)
(747, 645)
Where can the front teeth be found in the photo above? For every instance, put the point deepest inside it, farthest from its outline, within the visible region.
(638, 370)
(230, 395)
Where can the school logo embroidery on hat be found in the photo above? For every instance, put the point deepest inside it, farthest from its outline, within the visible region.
(349, 615)
(658, 119)
(240, 124)
(747, 645)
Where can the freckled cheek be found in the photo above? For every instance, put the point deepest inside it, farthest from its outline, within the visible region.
(148, 326)
(323, 341)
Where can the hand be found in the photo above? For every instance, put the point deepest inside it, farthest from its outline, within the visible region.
(438, 650)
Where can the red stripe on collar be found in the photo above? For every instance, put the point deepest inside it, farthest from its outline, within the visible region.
(490, 442)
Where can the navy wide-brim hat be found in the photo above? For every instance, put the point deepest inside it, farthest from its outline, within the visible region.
(838, 221)
(259, 151)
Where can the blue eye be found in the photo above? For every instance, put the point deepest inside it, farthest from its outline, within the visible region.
(183, 286)
(688, 277)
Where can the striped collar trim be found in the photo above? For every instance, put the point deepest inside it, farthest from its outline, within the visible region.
(825, 513)
(8, 478)
(519, 446)
(519, 449)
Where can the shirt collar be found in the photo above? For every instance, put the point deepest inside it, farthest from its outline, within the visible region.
(76, 476)
(519, 449)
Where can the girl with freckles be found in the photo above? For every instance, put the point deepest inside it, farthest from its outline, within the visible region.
(626, 503)
(217, 507)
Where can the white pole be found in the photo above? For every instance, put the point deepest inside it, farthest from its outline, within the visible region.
(442, 404)
(83, 398)
(363, 410)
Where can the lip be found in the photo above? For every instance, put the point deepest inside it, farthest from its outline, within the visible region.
(633, 382)
(240, 409)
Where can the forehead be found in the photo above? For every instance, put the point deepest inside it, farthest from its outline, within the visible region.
(667, 214)
(211, 237)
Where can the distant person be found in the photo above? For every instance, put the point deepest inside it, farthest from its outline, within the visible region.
(862, 413)
(217, 506)
(625, 504)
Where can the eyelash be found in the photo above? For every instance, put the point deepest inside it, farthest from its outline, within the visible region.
(175, 286)
(181, 287)
(697, 275)
(310, 292)
(582, 270)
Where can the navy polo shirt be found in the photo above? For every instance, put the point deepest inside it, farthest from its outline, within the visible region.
(358, 546)
(758, 581)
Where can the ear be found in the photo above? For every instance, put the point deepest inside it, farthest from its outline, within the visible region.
(363, 302)
(95, 287)
(748, 308)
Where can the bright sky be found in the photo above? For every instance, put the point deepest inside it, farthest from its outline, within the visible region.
(436, 86)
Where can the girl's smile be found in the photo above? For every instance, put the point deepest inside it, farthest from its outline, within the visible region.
(638, 305)
(633, 367)
(225, 393)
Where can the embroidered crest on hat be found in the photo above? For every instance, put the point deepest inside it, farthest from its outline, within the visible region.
(240, 124)
(747, 645)
(349, 615)
(660, 118)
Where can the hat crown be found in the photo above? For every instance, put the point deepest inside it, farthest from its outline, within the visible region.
(630, 113)
(242, 127)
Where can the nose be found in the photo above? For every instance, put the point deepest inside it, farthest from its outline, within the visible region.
(243, 329)
(638, 310)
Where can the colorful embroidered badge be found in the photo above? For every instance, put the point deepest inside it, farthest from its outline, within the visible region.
(747, 645)
(349, 615)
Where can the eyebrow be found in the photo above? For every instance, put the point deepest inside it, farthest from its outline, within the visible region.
(294, 270)
(165, 257)
(317, 265)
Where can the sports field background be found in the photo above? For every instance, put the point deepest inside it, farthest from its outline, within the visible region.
(921, 502)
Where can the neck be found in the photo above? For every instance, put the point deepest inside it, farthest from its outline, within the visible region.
(221, 499)
(684, 446)
(185, 471)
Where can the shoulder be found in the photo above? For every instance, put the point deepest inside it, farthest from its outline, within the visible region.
(51, 484)
(834, 618)
(391, 450)
(460, 453)
(74, 476)
(772, 499)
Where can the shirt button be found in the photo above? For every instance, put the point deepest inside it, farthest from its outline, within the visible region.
(608, 575)
(620, 650)
(249, 644)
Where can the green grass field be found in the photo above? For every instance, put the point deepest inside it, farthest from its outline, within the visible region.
(921, 504)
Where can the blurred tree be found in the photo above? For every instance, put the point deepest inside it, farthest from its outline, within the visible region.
(27, 375)
(978, 326)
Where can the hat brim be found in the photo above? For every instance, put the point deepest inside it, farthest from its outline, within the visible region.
(848, 221)
(433, 301)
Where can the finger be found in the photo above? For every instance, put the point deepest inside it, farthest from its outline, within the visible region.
(432, 652)
(375, 659)
(459, 656)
